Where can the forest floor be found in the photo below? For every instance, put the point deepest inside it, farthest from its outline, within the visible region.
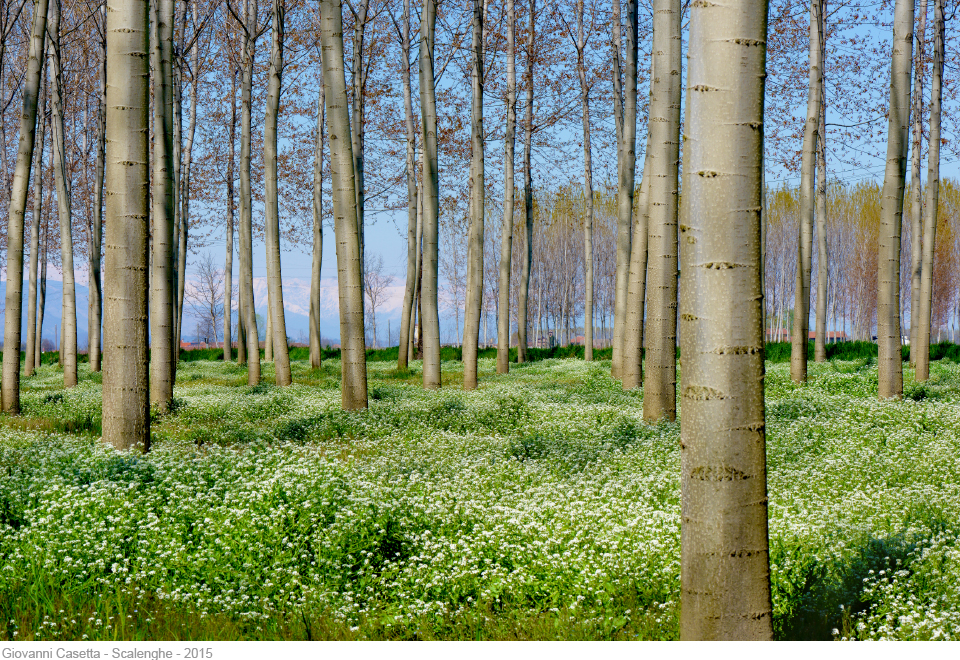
(539, 506)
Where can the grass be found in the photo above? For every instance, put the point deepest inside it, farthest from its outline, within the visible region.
(540, 506)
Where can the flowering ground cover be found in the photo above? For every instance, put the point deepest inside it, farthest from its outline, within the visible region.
(539, 506)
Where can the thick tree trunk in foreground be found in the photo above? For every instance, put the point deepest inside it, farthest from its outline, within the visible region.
(349, 282)
(18, 204)
(811, 129)
(933, 193)
(524, 293)
(126, 390)
(889, 362)
(916, 186)
(430, 312)
(32, 360)
(281, 357)
(660, 388)
(163, 316)
(627, 167)
(413, 247)
(316, 260)
(246, 201)
(506, 233)
(474, 297)
(724, 569)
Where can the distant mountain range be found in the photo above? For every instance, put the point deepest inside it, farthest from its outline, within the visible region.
(296, 305)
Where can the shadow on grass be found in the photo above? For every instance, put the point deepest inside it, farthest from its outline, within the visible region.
(813, 596)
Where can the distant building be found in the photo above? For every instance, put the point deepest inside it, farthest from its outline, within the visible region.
(833, 336)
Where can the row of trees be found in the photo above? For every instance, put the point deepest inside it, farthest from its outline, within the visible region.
(715, 234)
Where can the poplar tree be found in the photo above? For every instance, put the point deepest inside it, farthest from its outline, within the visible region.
(626, 173)
(13, 310)
(916, 186)
(317, 253)
(811, 131)
(281, 357)
(231, 212)
(95, 281)
(724, 562)
(247, 309)
(126, 390)
(32, 359)
(431, 192)
(933, 198)
(524, 293)
(474, 297)
(413, 245)
(352, 341)
(660, 388)
(889, 363)
(163, 316)
(506, 232)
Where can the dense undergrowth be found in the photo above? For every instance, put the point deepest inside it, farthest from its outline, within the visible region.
(540, 506)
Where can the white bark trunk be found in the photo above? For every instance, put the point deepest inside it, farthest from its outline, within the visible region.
(126, 390)
(353, 349)
(724, 563)
(889, 363)
(18, 202)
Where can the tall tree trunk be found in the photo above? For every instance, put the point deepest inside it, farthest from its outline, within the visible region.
(68, 318)
(352, 341)
(416, 320)
(180, 229)
(627, 166)
(811, 129)
(95, 283)
(281, 357)
(42, 293)
(126, 389)
(820, 343)
(631, 361)
(523, 296)
(724, 562)
(431, 192)
(506, 233)
(317, 256)
(916, 186)
(183, 152)
(32, 360)
(406, 315)
(889, 362)
(474, 297)
(933, 193)
(246, 201)
(163, 316)
(358, 122)
(587, 191)
(18, 203)
(660, 388)
(228, 264)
